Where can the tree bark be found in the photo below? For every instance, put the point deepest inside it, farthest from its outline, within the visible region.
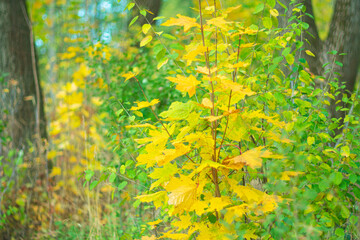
(21, 94)
(343, 37)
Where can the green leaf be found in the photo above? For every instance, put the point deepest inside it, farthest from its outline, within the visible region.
(259, 8)
(353, 178)
(112, 177)
(339, 232)
(338, 178)
(345, 213)
(88, 174)
(130, 6)
(271, 3)
(93, 184)
(122, 185)
(212, 218)
(168, 36)
(133, 20)
(286, 51)
(162, 62)
(143, 12)
(267, 22)
(345, 151)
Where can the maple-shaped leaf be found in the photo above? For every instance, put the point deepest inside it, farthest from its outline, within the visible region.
(236, 88)
(235, 212)
(185, 84)
(206, 103)
(155, 222)
(129, 75)
(163, 174)
(219, 22)
(159, 198)
(183, 193)
(178, 111)
(145, 125)
(141, 105)
(181, 20)
(183, 223)
(171, 154)
(285, 176)
(250, 234)
(219, 203)
(213, 118)
(251, 158)
(193, 52)
(248, 194)
(206, 70)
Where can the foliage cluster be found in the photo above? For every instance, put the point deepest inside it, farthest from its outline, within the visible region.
(251, 151)
(244, 148)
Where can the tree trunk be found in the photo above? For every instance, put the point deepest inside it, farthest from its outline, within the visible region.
(21, 95)
(343, 37)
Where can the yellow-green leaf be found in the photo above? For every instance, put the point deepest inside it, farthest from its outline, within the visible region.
(145, 28)
(274, 12)
(181, 20)
(129, 75)
(145, 104)
(310, 140)
(267, 22)
(145, 41)
(308, 52)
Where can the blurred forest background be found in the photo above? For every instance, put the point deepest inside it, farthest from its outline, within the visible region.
(81, 48)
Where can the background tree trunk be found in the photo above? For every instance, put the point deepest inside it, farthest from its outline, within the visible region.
(343, 37)
(21, 95)
(151, 5)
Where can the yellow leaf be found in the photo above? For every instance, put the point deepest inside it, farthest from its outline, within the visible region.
(308, 52)
(141, 126)
(129, 75)
(274, 12)
(148, 238)
(145, 104)
(219, 22)
(145, 28)
(185, 84)
(206, 103)
(159, 198)
(183, 223)
(193, 52)
(241, 65)
(248, 194)
(181, 20)
(250, 234)
(56, 171)
(310, 140)
(183, 192)
(287, 174)
(236, 88)
(155, 222)
(219, 203)
(251, 158)
(205, 70)
(145, 41)
(213, 118)
(171, 154)
(163, 174)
